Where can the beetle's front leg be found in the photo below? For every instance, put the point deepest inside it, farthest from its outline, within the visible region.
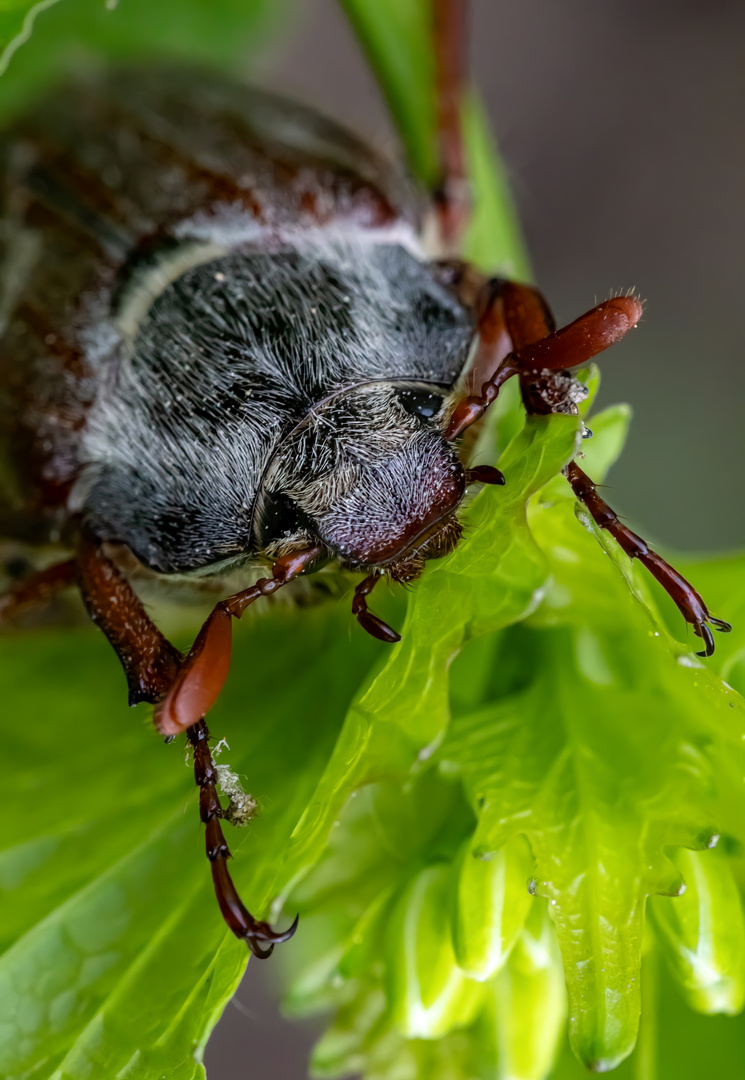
(689, 603)
(179, 688)
(258, 935)
(197, 685)
(536, 346)
(537, 350)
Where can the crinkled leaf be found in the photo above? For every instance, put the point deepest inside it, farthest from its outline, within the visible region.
(491, 905)
(114, 955)
(617, 743)
(703, 934)
(402, 710)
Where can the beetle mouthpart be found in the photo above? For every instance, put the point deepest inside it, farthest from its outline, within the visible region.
(396, 507)
(433, 543)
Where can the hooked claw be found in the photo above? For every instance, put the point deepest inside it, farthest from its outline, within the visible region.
(703, 631)
(262, 932)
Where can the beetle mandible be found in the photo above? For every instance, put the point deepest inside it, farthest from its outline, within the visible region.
(235, 335)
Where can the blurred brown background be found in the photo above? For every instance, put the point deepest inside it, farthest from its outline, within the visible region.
(621, 127)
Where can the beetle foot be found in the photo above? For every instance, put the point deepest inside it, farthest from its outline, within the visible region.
(262, 934)
(702, 630)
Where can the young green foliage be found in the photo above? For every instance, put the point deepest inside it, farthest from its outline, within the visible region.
(540, 720)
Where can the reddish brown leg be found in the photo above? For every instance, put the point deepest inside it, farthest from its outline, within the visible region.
(204, 671)
(149, 660)
(530, 325)
(242, 923)
(38, 589)
(452, 195)
(689, 603)
(156, 672)
(535, 347)
(374, 626)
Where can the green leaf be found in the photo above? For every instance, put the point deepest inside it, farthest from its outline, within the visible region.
(491, 906)
(530, 1002)
(115, 958)
(402, 710)
(75, 34)
(703, 932)
(427, 992)
(617, 743)
(579, 724)
(397, 37)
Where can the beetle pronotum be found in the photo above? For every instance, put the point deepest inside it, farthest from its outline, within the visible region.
(227, 343)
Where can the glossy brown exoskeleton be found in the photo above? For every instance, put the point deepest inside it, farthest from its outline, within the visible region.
(226, 343)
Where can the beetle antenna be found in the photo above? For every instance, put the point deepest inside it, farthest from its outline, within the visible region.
(259, 936)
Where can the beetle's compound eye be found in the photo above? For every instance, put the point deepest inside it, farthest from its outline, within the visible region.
(281, 517)
(420, 402)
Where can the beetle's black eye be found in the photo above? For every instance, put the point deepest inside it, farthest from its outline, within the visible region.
(280, 517)
(423, 403)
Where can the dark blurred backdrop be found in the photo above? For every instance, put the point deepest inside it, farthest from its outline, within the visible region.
(621, 125)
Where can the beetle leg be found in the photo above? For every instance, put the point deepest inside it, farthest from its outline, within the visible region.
(149, 660)
(521, 313)
(240, 921)
(37, 589)
(689, 603)
(536, 346)
(153, 668)
(374, 626)
(195, 688)
(452, 196)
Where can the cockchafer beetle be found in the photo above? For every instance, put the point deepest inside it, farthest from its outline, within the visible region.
(234, 334)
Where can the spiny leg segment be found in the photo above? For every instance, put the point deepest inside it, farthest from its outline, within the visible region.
(569, 347)
(538, 349)
(197, 685)
(182, 690)
(688, 601)
(258, 935)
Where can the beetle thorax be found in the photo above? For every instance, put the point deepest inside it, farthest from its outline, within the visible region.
(219, 377)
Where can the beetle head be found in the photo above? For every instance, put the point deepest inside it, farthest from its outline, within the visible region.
(368, 474)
